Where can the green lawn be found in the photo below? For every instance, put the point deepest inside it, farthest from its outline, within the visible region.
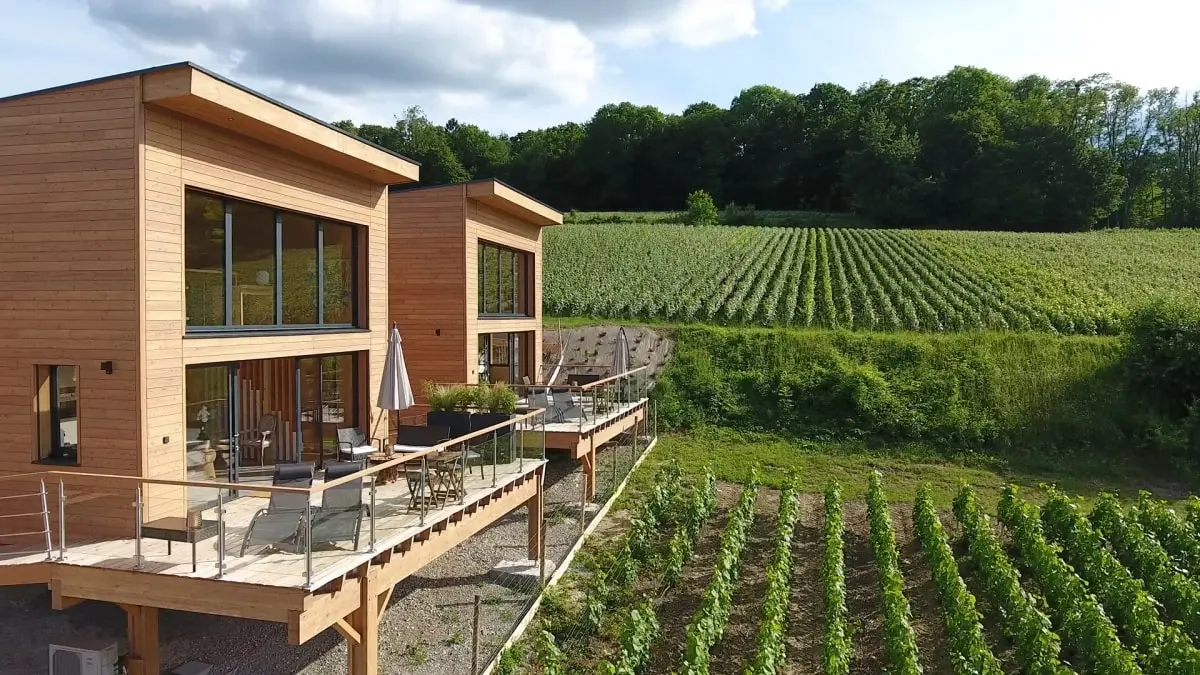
(905, 469)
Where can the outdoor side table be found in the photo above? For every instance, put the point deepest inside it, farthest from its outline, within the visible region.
(175, 528)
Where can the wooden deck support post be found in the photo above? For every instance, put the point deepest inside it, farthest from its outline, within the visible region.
(142, 629)
(363, 655)
(589, 469)
(536, 520)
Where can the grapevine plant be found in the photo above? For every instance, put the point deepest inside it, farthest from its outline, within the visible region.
(899, 641)
(1037, 645)
(969, 651)
(1162, 648)
(708, 623)
(835, 649)
(1084, 622)
(769, 653)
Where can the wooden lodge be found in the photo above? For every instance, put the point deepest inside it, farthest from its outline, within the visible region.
(196, 289)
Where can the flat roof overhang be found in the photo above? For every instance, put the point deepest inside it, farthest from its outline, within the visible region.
(193, 92)
(504, 198)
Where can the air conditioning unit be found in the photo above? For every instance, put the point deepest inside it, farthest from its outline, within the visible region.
(84, 657)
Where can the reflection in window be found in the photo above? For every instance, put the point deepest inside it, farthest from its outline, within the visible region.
(57, 411)
(503, 281)
(204, 260)
(253, 264)
(339, 273)
(286, 269)
(299, 270)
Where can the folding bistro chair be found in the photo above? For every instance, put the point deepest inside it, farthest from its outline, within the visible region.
(280, 522)
(339, 518)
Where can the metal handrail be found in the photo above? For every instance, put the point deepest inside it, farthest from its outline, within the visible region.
(135, 482)
(435, 449)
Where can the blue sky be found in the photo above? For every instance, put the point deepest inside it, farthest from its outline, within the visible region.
(510, 65)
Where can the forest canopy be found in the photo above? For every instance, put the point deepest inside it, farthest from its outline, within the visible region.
(969, 149)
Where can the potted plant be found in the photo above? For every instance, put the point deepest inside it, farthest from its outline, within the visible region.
(449, 406)
(497, 403)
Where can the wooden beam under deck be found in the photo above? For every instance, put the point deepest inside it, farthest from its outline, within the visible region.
(186, 594)
(392, 566)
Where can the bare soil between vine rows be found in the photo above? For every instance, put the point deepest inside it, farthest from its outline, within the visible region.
(805, 629)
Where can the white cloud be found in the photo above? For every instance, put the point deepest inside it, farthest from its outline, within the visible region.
(361, 47)
(640, 22)
(538, 51)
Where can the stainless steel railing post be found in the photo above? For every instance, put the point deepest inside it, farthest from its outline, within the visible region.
(542, 417)
(46, 523)
(308, 543)
(220, 534)
(424, 486)
(462, 476)
(495, 458)
(512, 447)
(372, 514)
(137, 528)
(62, 521)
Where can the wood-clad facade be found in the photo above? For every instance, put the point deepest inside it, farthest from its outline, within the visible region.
(69, 273)
(181, 258)
(93, 179)
(435, 258)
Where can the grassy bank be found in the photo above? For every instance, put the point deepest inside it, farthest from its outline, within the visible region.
(907, 467)
(1025, 398)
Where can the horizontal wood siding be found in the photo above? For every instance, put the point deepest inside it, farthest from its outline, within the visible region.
(183, 153)
(485, 223)
(69, 275)
(428, 289)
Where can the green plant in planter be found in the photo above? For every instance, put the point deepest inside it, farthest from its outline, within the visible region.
(477, 396)
(442, 397)
(501, 399)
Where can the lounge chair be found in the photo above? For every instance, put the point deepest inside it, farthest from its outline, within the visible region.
(564, 409)
(339, 518)
(353, 444)
(280, 523)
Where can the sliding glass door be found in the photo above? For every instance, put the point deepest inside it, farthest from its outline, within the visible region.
(281, 410)
(210, 408)
(328, 402)
(502, 357)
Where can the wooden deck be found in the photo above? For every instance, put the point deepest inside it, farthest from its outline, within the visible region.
(394, 524)
(582, 437)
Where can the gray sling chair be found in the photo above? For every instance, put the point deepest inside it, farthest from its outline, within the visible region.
(564, 409)
(339, 518)
(280, 523)
(353, 444)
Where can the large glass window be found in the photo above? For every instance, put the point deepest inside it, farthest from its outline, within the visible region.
(207, 406)
(328, 398)
(299, 273)
(57, 409)
(253, 267)
(253, 264)
(503, 281)
(338, 289)
(204, 260)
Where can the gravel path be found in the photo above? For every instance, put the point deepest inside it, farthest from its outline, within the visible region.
(426, 629)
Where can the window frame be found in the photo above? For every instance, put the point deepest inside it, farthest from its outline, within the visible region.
(50, 450)
(279, 327)
(522, 293)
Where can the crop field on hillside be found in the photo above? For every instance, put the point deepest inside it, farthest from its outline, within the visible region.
(867, 279)
(715, 577)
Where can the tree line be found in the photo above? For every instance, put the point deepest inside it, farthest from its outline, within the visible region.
(968, 149)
